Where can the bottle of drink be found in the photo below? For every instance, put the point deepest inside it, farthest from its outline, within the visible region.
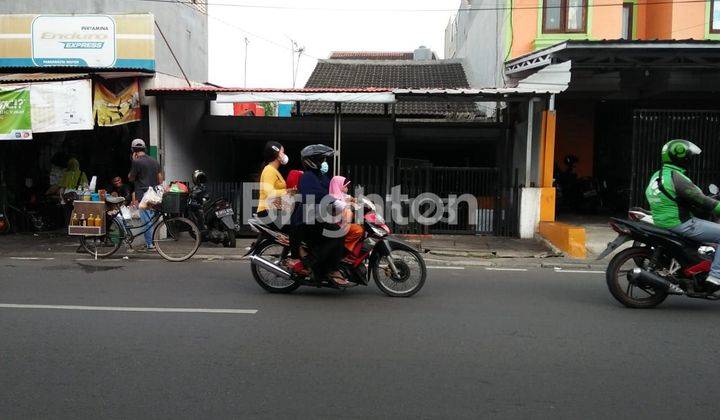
(74, 220)
(83, 220)
(98, 221)
(91, 220)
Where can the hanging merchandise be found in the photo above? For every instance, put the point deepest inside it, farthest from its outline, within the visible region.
(61, 106)
(111, 108)
(15, 121)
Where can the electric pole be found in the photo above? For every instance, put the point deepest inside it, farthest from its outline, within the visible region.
(247, 41)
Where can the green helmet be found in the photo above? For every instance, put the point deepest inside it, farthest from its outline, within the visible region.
(680, 152)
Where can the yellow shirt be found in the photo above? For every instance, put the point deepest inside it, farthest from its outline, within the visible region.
(272, 185)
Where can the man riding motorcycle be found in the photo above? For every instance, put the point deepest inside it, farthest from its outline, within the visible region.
(308, 227)
(675, 200)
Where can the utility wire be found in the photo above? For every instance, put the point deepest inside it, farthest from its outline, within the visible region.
(469, 9)
(173, 54)
(245, 31)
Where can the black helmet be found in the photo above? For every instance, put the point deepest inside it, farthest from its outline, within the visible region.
(199, 177)
(680, 152)
(312, 156)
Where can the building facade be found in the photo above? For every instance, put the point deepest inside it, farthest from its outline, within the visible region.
(624, 60)
(486, 37)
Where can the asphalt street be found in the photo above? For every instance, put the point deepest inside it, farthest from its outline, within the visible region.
(137, 339)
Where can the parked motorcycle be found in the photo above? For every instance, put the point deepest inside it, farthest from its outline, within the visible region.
(214, 218)
(397, 268)
(658, 264)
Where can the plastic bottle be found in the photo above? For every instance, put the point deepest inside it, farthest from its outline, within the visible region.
(74, 220)
(83, 220)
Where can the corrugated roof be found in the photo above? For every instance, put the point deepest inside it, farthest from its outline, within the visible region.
(372, 55)
(40, 77)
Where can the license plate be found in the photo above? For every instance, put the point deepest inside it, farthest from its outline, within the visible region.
(224, 212)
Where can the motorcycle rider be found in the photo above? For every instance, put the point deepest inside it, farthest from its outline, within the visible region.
(674, 200)
(313, 188)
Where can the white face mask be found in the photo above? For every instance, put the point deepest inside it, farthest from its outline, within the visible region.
(284, 160)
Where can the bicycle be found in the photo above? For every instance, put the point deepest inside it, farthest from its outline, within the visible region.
(175, 238)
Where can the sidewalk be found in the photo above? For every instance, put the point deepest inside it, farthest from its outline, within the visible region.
(447, 250)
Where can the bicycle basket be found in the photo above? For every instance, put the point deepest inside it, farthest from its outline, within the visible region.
(174, 203)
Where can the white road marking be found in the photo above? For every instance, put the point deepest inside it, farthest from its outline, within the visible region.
(505, 269)
(129, 309)
(31, 258)
(444, 267)
(560, 270)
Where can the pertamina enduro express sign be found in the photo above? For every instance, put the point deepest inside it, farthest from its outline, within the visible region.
(87, 41)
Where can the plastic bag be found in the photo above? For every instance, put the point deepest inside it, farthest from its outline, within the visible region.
(178, 187)
(125, 211)
(152, 197)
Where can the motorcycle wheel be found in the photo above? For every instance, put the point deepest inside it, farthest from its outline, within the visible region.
(620, 286)
(274, 253)
(411, 273)
(230, 242)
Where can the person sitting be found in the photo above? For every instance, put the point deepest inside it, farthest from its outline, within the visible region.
(272, 183)
(119, 189)
(338, 189)
(327, 250)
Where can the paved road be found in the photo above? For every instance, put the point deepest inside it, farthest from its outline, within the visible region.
(474, 343)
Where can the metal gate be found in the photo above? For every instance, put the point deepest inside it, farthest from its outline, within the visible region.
(653, 128)
(496, 210)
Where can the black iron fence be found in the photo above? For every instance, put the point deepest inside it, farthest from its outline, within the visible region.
(482, 205)
(653, 128)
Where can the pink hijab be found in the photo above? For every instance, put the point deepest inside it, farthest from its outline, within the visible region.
(336, 187)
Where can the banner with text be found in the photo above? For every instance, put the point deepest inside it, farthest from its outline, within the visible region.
(61, 106)
(15, 122)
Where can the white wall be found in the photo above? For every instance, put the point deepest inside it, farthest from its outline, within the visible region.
(479, 40)
(529, 212)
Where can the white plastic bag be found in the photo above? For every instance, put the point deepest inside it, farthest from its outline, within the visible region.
(152, 197)
(125, 211)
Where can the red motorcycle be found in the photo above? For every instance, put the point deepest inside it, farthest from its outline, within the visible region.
(397, 268)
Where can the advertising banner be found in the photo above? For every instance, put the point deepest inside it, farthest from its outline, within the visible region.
(15, 122)
(61, 106)
(94, 41)
(110, 108)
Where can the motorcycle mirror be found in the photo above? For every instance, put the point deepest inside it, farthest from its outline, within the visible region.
(713, 189)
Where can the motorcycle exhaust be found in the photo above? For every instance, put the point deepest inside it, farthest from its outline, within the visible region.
(648, 278)
(267, 265)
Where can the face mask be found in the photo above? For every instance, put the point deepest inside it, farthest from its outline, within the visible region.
(284, 160)
(324, 168)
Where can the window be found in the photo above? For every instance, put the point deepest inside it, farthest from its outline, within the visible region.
(627, 20)
(715, 16)
(565, 16)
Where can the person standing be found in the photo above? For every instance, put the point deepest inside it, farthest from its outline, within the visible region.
(144, 173)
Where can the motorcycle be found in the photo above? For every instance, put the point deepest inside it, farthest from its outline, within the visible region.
(659, 263)
(397, 268)
(214, 218)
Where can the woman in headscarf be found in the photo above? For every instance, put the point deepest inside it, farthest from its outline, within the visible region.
(338, 189)
(72, 179)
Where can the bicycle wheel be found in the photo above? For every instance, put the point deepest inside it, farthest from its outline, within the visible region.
(106, 245)
(176, 239)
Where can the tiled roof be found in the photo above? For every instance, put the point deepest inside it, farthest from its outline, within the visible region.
(400, 74)
(371, 55)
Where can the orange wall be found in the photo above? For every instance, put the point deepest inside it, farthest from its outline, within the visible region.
(525, 26)
(575, 134)
(653, 21)
(606, 20)
(688, 21)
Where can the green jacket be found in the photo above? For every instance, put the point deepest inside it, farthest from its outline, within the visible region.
(684, 198)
